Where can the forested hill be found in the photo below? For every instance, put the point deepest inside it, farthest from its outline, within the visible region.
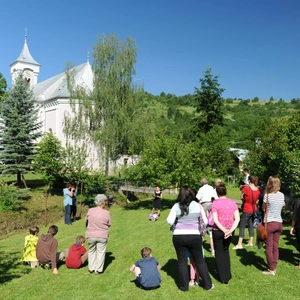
(177, 114)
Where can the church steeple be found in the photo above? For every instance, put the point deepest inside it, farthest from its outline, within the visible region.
(25, 64)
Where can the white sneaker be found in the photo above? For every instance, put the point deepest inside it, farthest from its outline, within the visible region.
(269, 272)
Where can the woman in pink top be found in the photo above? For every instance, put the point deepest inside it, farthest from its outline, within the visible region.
(98, 221)
(226, 218)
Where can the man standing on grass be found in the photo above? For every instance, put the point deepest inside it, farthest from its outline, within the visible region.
(205, 194)
(68, 201)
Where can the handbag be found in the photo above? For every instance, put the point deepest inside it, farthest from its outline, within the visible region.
(202, 226)
(257, 215)
(262, 231)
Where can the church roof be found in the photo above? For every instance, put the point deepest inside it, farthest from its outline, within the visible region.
(56, 86)
(25, 56)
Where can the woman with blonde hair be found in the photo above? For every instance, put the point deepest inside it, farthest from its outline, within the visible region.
(272, 206)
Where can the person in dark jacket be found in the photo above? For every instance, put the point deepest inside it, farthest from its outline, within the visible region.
(295, 228)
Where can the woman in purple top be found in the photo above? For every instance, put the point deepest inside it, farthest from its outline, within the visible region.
(226, 218)
(98, 221)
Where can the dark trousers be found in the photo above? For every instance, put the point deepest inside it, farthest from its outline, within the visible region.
(73, 211)
(246, 219)
(297, 233)
(192, 243)
(222, 255)
(272, 251)
(68, 214)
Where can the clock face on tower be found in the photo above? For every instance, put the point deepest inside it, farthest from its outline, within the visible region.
(27, 73)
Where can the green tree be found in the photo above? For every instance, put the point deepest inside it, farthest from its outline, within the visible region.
(49, 158)
(278, 152)
(209, 103)
(255, 99)
(19, 129)
(3, 87)
(109, 115)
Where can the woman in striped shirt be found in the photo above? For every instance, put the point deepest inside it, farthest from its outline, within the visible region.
(274, 222)
(186, 237)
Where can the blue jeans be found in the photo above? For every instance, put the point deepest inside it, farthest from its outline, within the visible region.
(68, 214)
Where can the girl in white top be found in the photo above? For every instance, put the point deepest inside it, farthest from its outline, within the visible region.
(273, 219)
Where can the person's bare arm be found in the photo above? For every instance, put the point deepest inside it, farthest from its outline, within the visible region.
(132, 268)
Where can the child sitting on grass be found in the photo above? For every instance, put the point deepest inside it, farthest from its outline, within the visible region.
(146, 270)
(29, 252)
(76, 255)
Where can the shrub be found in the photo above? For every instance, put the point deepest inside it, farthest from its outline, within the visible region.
(11, 196)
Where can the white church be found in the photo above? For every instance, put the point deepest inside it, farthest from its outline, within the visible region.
(52, 97)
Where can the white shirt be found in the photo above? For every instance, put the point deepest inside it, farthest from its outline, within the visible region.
(215, 195)
(246, 179)
(205, 193)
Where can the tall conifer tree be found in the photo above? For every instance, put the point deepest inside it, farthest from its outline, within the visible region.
(19, 129)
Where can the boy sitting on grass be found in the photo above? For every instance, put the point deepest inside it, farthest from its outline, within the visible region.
(146, 270)
(29, 252)
(77, 254)
(46, 249)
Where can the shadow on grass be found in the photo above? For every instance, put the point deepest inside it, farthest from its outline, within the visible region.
(250, 258)
(138, 285)
(147, 204)
(171, 268)
(11, 267)
(108, 260)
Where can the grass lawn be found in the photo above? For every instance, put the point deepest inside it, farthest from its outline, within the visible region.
(130, 232)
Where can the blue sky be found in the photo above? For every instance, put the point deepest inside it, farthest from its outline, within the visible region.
(253, 45)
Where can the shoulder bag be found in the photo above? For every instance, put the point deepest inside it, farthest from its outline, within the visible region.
(202, 226)
(262, 231)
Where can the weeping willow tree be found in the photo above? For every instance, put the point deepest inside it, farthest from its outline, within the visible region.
(111, 114)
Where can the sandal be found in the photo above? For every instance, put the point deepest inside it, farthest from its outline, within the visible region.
(298, 267)
(249, 245)
(237, 247)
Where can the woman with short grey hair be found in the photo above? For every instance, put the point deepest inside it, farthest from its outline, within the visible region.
(98, 221)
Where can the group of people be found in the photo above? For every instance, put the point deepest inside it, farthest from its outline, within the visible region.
(43, 250)
(187, 214)
(208, 206)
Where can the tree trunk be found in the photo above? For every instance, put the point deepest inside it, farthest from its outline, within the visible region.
(19, 180)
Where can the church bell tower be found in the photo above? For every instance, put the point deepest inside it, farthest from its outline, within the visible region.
(26, 65)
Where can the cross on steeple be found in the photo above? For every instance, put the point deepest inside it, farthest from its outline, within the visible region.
(26, 30)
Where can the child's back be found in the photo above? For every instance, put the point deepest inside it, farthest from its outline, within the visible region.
(150, 276)
(29, 252)
(146, 270)
(77, 254)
